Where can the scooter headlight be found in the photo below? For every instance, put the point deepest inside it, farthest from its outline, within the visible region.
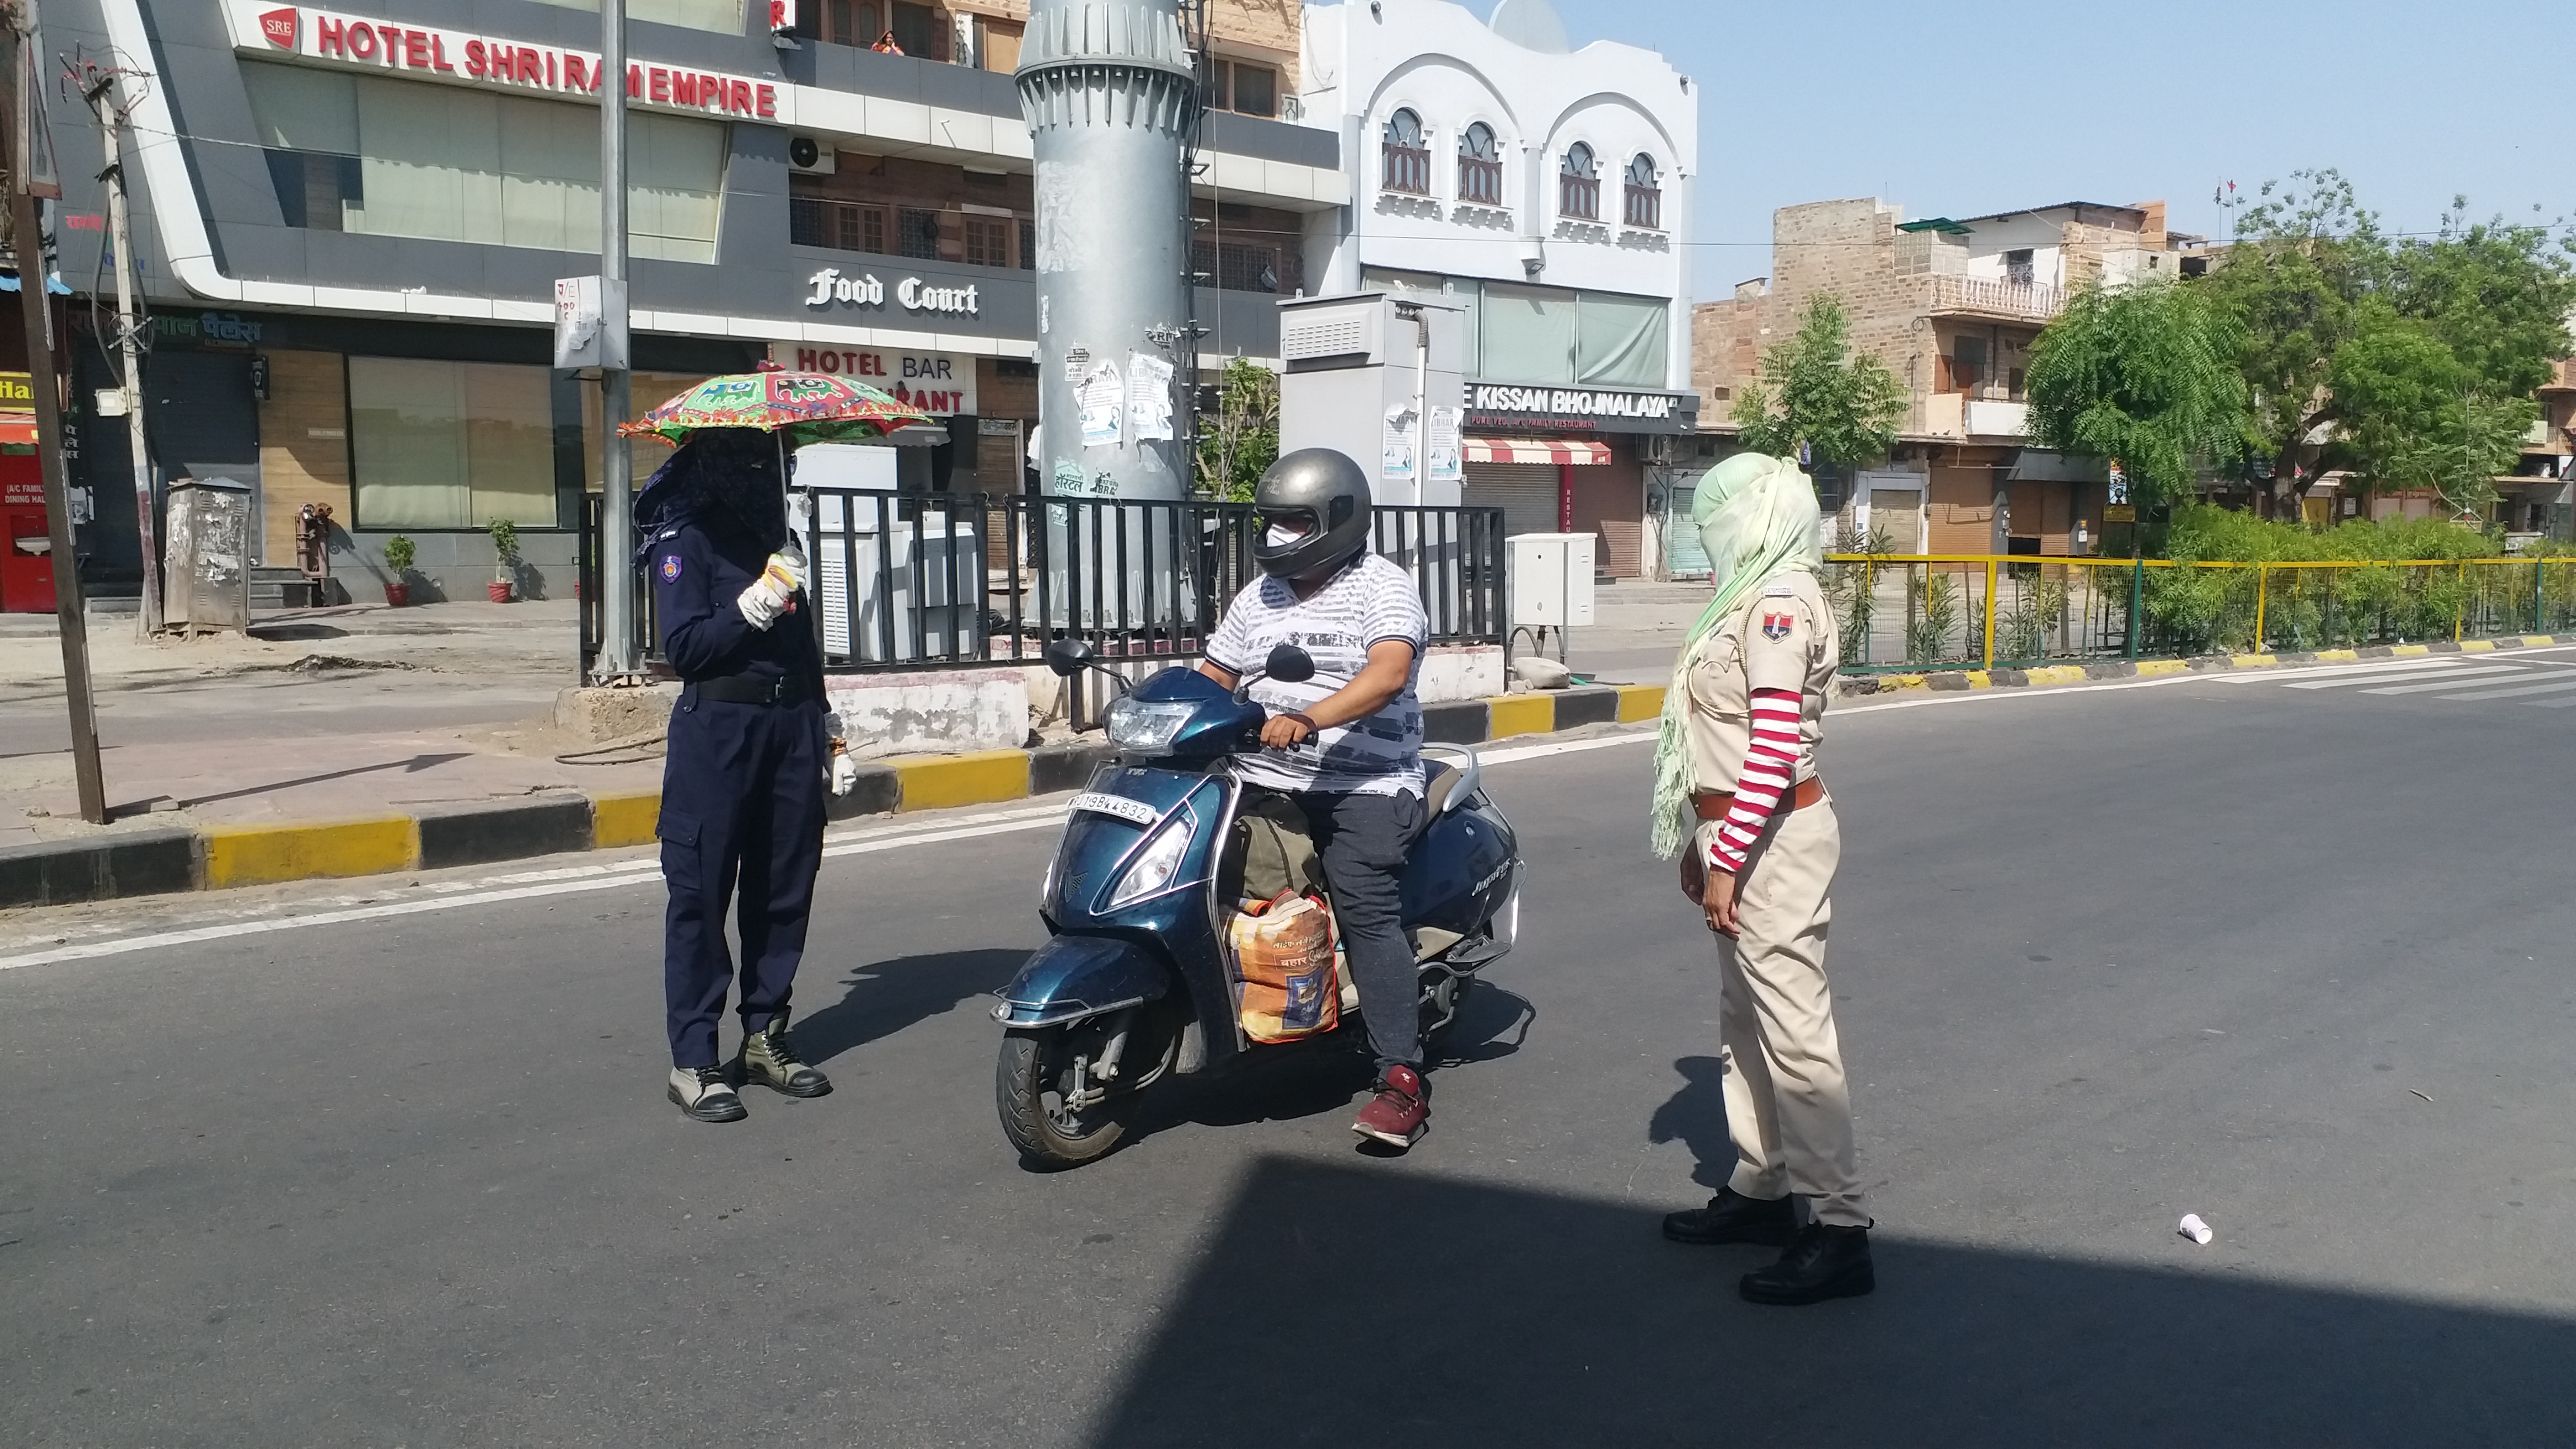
(1154, 867)
(1141, 728)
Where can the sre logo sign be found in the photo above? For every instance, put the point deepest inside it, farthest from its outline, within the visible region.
(279, 27)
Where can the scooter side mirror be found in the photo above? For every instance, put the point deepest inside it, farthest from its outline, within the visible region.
(1066, 658)
(1289, 665)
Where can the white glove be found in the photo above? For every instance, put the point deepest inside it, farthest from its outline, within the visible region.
(845, 770)
(766, 599)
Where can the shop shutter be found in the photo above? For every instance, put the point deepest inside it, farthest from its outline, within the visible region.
(1526, 492)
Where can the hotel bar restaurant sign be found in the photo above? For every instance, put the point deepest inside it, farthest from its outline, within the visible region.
(477, 58)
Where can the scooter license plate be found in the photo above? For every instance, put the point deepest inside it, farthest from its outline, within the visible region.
(1119, 805)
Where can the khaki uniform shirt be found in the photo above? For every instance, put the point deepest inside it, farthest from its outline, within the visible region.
(1781, 636)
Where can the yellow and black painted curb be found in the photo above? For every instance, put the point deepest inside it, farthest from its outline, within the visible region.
(152, 862)
(2052, 674)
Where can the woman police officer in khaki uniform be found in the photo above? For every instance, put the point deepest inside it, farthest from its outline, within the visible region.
(1736, 784)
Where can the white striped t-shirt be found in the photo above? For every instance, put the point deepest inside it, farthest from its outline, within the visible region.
(1366, 603)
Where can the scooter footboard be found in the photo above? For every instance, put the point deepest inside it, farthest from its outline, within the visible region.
(1071, 977)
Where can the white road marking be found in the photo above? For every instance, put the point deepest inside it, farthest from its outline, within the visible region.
(2347, 677)
(2456, 676)
(2562, 685)
(2339, 671)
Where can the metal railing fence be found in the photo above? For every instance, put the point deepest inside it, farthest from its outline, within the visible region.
(1934, 611)
(910, 581)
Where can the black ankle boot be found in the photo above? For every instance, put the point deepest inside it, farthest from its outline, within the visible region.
(1821, 1263)
(1731, 1217)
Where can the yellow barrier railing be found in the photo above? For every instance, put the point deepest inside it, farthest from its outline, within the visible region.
(2052, 606)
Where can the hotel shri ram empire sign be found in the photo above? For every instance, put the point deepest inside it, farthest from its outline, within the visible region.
(461, 57)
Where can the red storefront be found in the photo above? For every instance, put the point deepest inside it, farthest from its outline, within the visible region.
(26, 547)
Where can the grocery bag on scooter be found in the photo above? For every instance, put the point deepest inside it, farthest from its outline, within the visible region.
(1283, 953)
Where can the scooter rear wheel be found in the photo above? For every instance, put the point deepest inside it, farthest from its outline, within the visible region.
(1031, 1078)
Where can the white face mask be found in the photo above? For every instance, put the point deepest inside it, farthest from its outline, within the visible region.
(1281, 536)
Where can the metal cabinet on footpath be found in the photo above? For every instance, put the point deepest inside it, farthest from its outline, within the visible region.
(206, 569)
(26, 547)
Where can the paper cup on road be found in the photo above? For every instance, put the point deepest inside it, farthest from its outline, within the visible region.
(2196, 1230)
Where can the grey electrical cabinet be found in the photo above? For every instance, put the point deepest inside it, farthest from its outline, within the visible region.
(206, 556)
(1379, 376)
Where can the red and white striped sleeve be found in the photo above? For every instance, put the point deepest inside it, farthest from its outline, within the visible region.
(1770, 768)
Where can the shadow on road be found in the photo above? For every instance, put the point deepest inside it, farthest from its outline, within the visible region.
(1347, 1304)
(1695, 1115)
(884, 997)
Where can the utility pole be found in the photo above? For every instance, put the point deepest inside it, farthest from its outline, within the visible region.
(99, 89)
(618, 656)
(35, 307)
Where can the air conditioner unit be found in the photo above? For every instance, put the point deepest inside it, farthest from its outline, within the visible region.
(809, 156)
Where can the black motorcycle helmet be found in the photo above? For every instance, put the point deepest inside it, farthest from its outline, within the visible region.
(1325, 491)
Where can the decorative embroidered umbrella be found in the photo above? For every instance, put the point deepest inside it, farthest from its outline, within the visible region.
(802, 407)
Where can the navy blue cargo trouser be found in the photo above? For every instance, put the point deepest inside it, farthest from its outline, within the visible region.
(742, 822)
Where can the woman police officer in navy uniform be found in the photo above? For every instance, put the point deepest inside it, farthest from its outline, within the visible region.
(748, 758)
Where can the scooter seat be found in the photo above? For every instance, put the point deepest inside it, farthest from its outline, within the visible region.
(1438, 783)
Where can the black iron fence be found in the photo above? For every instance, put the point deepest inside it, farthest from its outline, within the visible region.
(906, 581)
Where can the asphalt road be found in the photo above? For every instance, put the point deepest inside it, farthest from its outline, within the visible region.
(2294, 960)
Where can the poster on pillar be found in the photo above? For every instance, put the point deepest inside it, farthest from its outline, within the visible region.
(1397, 453)
(941, 384)
(1442, 453)
(1103, 400)
(1149, 398)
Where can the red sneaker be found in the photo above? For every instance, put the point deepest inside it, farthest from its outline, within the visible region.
(1396, 1116)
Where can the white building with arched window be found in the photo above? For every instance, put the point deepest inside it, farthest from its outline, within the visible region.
(1546, 192)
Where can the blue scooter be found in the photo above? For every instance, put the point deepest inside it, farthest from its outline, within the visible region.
(1158, 853)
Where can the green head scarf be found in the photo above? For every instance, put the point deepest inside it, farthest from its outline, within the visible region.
(1757, 517)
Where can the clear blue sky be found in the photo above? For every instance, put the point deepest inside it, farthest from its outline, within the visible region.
(1963, 110)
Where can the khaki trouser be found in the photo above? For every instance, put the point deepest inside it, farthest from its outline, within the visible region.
(1788, 1106)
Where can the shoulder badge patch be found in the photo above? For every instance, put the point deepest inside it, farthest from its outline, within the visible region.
(1776, 625)
(670, 568)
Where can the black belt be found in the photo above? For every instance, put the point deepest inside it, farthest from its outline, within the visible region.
(752, 688)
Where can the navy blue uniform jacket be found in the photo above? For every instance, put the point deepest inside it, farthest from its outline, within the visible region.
(699, 568)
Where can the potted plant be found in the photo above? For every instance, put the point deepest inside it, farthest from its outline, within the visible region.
(398, 557)
(505, 558)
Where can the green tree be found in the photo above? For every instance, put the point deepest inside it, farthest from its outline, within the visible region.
(2406, 360)
(1815, 389)
(1241, 439)
(2147, 375)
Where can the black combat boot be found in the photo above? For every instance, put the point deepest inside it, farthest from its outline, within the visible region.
(1821, 1262)
(1731, 1217)
(768, 1059)
(704, 1094)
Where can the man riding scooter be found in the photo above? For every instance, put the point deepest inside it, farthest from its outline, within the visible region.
(1344, 746)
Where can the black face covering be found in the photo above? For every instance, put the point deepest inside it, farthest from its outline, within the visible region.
(724, 477)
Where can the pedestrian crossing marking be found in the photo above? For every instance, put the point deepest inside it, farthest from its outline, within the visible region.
(2447, 682)
(2344, 678)
(2559, 687)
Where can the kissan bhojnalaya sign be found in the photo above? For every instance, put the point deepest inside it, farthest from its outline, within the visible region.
(468, 57)
(1617, 410)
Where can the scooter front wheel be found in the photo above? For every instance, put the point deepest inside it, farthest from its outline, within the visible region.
(1050, 1110)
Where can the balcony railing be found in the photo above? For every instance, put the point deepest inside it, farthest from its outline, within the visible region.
(1578, 197)
(1480, 182)
(1644, 206)
(1407, 169)
(1988, 298)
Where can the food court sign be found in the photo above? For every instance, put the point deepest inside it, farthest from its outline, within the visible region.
(477, 58)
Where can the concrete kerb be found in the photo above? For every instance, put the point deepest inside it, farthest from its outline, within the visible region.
(158, 862)
(2040, 676)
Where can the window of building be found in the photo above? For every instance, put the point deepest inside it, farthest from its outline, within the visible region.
(997, 43)
(988, 241)
(919, 30)
(851, 22)
(850, 226)
(1408, 157)
(1243, 87)
(1480, 166)
(2019, 269)
(1240, 266)
(395, 158)
(721, 16)
(450, 444)
(1028, 245)
(1578, 184)
(917, 232)
(1967, 364)
(1557, 335)
(1644, 204)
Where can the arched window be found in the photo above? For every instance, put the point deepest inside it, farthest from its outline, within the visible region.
(1408, 158)
(1480, 166)
(1578, 185)
(1645, 198)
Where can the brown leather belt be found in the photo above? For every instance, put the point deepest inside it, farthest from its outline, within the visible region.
(1713, 804)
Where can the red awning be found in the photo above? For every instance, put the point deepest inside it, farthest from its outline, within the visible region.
(1537, 450)
(17, 427)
